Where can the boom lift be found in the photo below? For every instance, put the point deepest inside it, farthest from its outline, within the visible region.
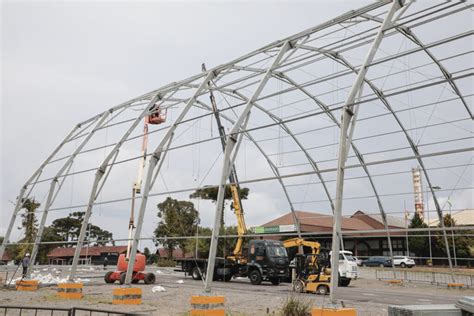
(157, 117)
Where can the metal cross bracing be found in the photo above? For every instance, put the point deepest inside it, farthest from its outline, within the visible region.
(292, 91)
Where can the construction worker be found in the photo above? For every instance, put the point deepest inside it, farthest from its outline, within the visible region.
(24, 263)
(106, 261)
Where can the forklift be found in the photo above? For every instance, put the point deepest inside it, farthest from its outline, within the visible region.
(157, 116)
(312, 272)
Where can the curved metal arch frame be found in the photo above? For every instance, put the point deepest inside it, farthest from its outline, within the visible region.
(408, 33)
(274, 168)
(414, 148)
(101, 171)
(51, 194)
(376, 91)
(325, 108)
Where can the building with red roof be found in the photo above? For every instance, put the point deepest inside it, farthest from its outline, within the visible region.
(89, 255)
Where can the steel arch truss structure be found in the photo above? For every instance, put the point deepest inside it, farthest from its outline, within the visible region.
(397, 95)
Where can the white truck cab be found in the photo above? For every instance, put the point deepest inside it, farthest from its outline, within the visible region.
(348, 269)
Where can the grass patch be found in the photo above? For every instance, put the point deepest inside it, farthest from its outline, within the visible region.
(295, 305)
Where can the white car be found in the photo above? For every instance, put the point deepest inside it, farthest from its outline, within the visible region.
(403, 261)
(357, 261)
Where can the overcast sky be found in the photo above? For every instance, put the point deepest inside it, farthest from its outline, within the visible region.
(63, 62)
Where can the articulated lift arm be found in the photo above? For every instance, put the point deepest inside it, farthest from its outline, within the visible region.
(155, 118)
(136, 188)
(234, 187)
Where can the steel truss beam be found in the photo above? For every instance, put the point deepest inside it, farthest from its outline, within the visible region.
(274, 168)
(101, 171)
(153, 162)
(344, 140)
(413, 146)
(31, 181)
(51, 194)
(230, 153)
(405, 31)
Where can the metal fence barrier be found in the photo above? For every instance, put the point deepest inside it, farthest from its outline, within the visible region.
(58, 311)
(432, 277)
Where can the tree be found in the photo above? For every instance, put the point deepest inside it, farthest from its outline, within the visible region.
(210, 193)
(100, 236)
(30, 224)
(225, 247)
(177, 218)
(68, 229)
(464, 245)
(49, 235)
(418, 245)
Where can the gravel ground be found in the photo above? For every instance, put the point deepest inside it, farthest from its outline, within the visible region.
(370, 297)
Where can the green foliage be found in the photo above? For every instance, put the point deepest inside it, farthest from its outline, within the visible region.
(464, 245)
(295, 305)
(30, 225)
(418, 245)
(177, 218)
(48, 235)
(210, 193)
(225, 247)
(68, 229)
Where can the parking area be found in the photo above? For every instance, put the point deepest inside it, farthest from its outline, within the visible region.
(368, 295)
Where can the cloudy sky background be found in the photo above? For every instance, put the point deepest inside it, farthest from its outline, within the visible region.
(65, 62)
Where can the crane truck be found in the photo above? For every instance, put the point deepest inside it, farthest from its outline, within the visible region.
(263, 260)
(157, 116)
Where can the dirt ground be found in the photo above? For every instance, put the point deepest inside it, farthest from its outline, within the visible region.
(370, 297)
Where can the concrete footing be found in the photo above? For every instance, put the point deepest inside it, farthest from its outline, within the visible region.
(70, 290)
(207, 306)
(325, 311)
(127, 296)
(27, 285)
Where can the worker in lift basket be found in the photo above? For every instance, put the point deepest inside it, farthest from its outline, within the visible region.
(24, 263)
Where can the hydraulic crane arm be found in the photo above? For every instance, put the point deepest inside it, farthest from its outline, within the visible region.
(234, 186)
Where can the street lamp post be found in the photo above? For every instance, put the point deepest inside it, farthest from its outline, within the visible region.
(428, 211)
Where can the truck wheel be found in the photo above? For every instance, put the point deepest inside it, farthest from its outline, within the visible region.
(255, 277)
(298, 286)
(322, 290)
(196, 274)
(227, 278)
(149, 278)
(403, 265)
(275, 281)
(107, 278)
(122, 277)
(344, 282)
